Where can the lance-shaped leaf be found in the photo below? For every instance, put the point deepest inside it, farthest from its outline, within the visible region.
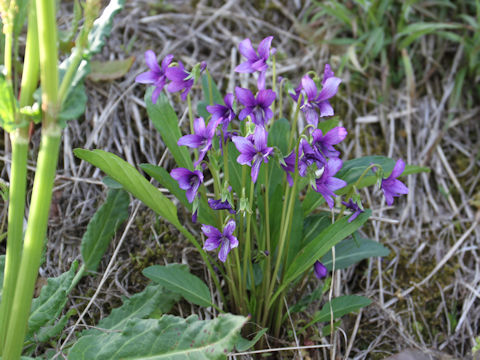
(53, 297)
(132, 181)
(176, 278)
(351, 251)
(322, 243)
(170, 337)
(8, 106)
(153, 299)
(102, 227)
(340, 306)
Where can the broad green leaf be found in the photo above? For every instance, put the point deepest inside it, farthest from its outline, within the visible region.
(314, 224)
(205, 214)
(102, 227)
(322, 243)
(177, 279)
(110, 70)
(328, 125)
(8, 106)
(352, 250)
(154, 298)
(132, 180)
(340, 306)
(244, 344)
(53, 297)
(48, 332)
(166, 122)
(170, 337)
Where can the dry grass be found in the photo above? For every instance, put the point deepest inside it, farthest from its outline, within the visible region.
(436, 221)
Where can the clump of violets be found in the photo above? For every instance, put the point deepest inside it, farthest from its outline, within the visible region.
(255, 176)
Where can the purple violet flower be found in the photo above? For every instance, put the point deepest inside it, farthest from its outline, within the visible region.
(353, 206)
(188, 180)
(315, 100)
(257, 107)
(180, 80)
(202, 138)
(391, 186)
(323, 144)
(326, 184)
(330, 85)
(320, 270)
(156, 75)
(253, 150)
(220, 205)
(223, 113)
(307, 157)
(224, 239)
(255, 62)
(289, 166)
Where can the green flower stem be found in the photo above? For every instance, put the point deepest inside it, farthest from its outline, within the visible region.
(34, 240)
(281, 244)
(247, 255)
(210, 87)
(274, 82)
(268, 269)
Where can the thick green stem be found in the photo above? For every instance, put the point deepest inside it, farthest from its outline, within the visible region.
(34, 241)
(16, 211)
(43, 183)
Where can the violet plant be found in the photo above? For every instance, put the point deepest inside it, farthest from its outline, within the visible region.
(265, 229)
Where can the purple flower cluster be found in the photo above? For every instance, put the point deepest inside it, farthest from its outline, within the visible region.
(315, 156)
(180, 79)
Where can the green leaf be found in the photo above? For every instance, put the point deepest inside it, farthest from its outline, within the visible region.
(96, 39)
(139, 306)
(340, 306)
(53, 297)
(244, 344)
(7, 106)
(351, 251)
(74, 105)
(322, 243)
(102, 27)
(418, 29)
(132, 180)
(176, 278)
(48, 332)
(170, 337)
(278, 135)
(110, 70)
(102, 227)
(166, 122)
(205, 214)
